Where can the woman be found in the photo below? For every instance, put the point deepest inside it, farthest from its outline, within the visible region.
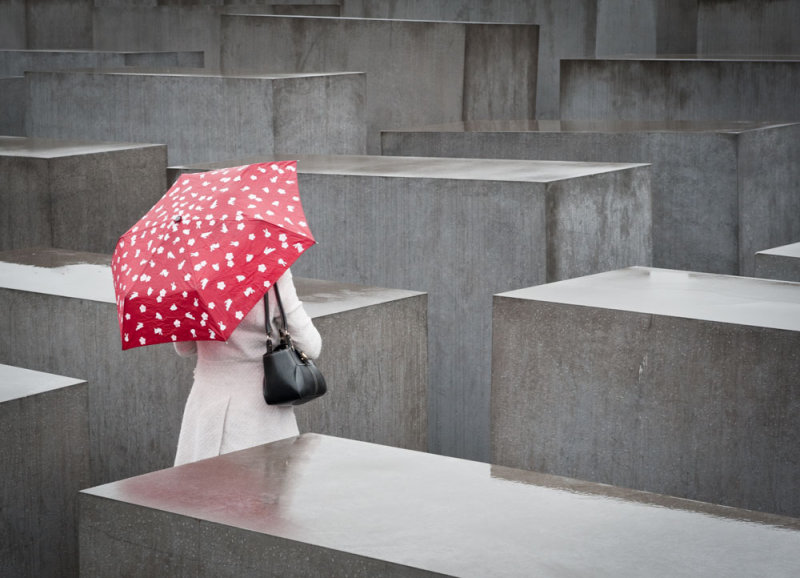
(226, 410)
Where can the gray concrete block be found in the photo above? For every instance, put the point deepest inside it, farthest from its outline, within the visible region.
(12, 24)
(779, 263)
(646, 27)
(680, 88)
(767, 27)
(176, 25)
(75, 195)
(322, 506)
(63, 24)
(680, 383)
(44, 463)
(201, 116)
(462, 230)
(62, 318)
(12, 105)
(721, 190)
(416, 71)
(566, 29)
(17, 62)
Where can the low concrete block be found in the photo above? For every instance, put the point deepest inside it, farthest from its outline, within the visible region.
(462, 230)
(681, 88)
(322, 506)
(721, 190)
(44, 463)
(416, 71)
(779, 263)
(62, 318)
(201, 116)
(17, 62)
(75, 195)
(679, 383)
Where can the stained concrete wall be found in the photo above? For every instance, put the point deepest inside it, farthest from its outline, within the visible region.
(58, 24)
(51, 191)
(462, 231)
(17, 62)
(62, 318)
(566, 29)
(416, 72)
(680, 89)
(721, 190)
(201, 116)
(12, 24)
(646, 27)
(679, 383)
(44, 463)
(176, 25)
(779, 263)
(12, 105)
(767, 27)
(322, 506)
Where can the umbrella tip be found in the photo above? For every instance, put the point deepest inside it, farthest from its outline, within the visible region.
(178, 218)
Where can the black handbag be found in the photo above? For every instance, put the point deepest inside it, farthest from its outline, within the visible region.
(290, 377)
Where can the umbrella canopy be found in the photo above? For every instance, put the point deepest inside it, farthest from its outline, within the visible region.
(206, 253)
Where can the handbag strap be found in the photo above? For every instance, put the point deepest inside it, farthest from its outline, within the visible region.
(283, 330)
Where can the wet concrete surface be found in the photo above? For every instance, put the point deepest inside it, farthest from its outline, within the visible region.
(445, 515)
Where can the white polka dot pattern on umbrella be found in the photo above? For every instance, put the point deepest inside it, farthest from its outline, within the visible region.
(204, 255)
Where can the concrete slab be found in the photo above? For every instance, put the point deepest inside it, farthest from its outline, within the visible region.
(681, 88)
(779, 263)
(722, 190)
(462, 230)
(44, 462)
(176, 25)
(73, 194)
(316, 505)
(668, 381)
(767, 27)
(566, 29)
(12, 105)
(62, 318)
(17, 62)
(12, 24)
(201, 116)
(62, 24)
(646, 27)
(416, 71)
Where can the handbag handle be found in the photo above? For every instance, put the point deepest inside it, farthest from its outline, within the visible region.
(283, 329)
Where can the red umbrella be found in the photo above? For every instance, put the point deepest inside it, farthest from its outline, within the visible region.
(206, 253)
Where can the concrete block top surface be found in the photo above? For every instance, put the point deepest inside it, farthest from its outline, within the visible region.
(334, 20)
(195, 73)
(81, 275)
(696, 58)
(594, 126)
(702, 296)
(436, 167)
(791, 251)
(43, 148)
(461, 518)
(17, 382)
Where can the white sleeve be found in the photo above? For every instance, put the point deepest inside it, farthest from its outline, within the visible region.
(304, 335)
(186, 348)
